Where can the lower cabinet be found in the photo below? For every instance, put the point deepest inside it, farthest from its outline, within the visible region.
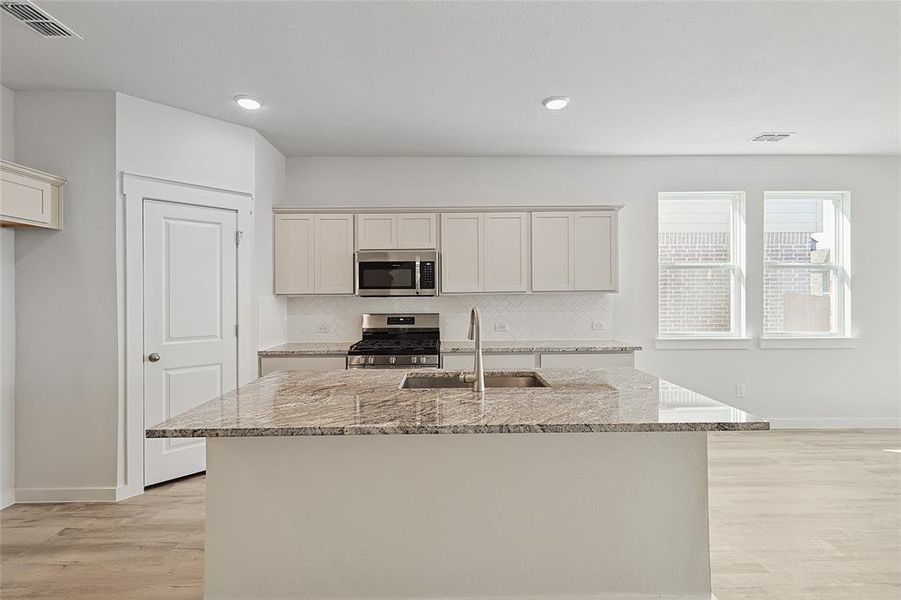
(560, 360)
(588, 360)
(464, 362)
(301, 363)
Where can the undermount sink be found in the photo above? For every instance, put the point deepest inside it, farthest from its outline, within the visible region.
(492, 380)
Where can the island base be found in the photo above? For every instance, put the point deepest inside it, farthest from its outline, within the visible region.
(597, 515)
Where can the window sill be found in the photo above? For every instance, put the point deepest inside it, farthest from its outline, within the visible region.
(801, 343)
(703, 343)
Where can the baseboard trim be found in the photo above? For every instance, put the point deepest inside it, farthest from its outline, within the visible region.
(73, 494)
(836, 423)
(610, 596)
(7, 498)
(124, 492)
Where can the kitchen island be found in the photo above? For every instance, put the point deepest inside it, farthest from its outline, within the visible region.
(345, 485)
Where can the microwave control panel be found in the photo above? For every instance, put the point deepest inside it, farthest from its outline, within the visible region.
(428, 276)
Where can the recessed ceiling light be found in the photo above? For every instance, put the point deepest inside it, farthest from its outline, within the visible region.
(555, 102)
(772, 136)
(249, 102)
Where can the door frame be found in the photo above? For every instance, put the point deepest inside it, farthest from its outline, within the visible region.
(135, 188)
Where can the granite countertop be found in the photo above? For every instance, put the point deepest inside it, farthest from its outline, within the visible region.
(306, 349)
(370, 401)
(532, 346)
(488, 347)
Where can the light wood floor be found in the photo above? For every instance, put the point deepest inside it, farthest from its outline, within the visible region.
(813, 515)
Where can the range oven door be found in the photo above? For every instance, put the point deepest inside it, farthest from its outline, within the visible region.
(396, 273)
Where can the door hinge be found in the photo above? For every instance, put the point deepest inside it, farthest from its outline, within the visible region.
(236, 330)
(239, 237)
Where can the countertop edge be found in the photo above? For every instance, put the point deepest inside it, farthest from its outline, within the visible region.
(461, 347)
(457, 429)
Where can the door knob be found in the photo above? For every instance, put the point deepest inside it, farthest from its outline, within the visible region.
(153, 357)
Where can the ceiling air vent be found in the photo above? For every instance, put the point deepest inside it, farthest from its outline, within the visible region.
(771, 137)
(35, 18)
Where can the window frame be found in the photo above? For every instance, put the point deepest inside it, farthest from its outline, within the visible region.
(839, 265)
(736, 267)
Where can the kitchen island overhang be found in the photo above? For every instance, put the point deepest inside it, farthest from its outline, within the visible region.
(327, 485)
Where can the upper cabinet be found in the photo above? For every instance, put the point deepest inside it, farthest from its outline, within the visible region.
(30, 198)
(506, 252)
(417, 230)
(462, 251)
(295, 245)
(552, 251)
(484, 252)
(397, 230)
(334, 254)
(314, 253)
(574, 251)
(595, 251)
(376, 232)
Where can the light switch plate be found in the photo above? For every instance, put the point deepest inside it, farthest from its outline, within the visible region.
(322, 329)
(500, 327)
(598, 326)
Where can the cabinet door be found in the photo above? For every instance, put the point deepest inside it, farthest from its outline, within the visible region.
(416, 230)
(506, 252)
(568, 360)
(462, 240)
(26, 199)
(595, 251)
(294, 252)
(552, 251)
(334, 269)
(376, 232)
(453, 361)
(302, 363)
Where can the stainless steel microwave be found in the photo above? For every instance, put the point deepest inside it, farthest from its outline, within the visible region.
(396, 272)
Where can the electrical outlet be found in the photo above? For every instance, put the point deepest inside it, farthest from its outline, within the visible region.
(598, 326)
(740, 390)
(322, 328)
(500, 327)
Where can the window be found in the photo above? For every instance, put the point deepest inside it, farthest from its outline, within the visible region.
(806, 257)
(701, 260)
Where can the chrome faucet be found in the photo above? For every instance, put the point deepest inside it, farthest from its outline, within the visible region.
(477, 377)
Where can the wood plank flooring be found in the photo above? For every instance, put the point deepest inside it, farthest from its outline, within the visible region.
(812, 515)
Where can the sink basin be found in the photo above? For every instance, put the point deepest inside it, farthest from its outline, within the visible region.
(492, 380)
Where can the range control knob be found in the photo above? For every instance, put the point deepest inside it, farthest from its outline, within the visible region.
(414, 359)
(392, 360)
(371, 360)
(423, 359)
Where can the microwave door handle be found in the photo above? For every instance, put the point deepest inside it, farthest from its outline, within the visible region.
(418, 287)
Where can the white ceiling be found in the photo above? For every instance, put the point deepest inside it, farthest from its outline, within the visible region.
(442, 78)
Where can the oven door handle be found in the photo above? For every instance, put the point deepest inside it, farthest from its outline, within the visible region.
(418, 287)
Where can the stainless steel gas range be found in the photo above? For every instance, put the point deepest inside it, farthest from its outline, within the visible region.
(397, 341)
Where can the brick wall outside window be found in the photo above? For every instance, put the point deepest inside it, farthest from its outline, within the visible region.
(698, 301)
(804, 292)
(694, 300)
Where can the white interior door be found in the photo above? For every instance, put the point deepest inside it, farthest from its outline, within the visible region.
(190, 317)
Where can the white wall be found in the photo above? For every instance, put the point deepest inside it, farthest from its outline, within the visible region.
(66, 343)
(7, 316)
(269, 190)
(813, 387)
(160, 141)
(7, 124)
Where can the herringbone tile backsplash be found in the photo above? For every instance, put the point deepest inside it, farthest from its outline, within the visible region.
(567, 316)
